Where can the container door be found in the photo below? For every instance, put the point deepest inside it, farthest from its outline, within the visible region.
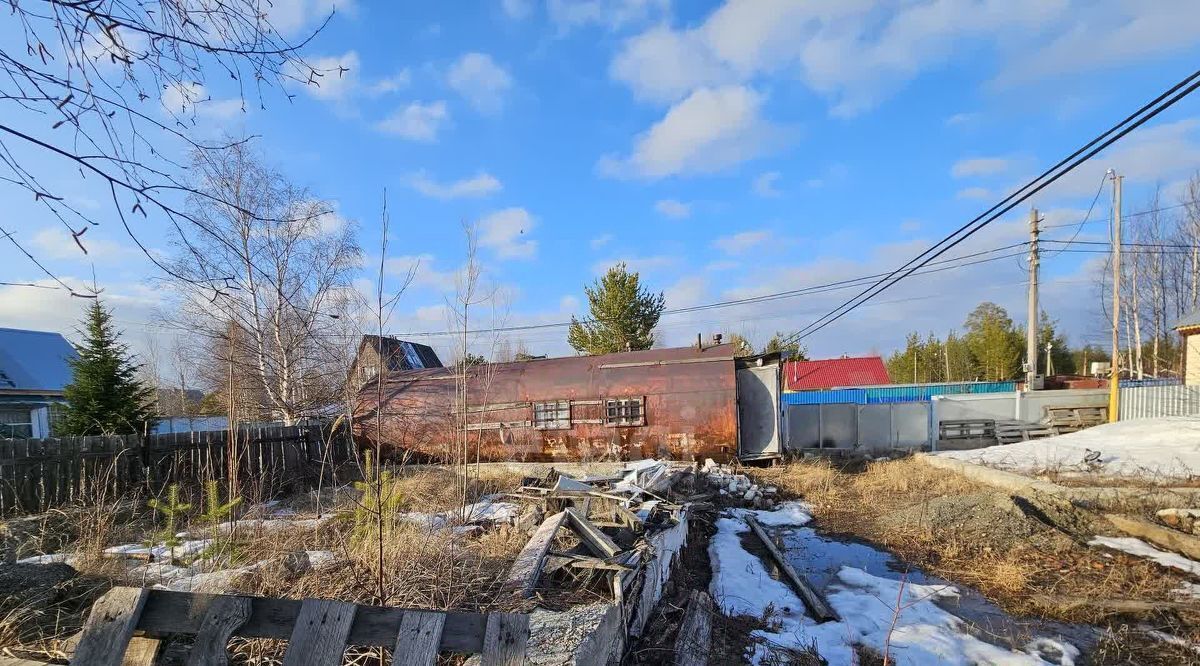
(758, 411)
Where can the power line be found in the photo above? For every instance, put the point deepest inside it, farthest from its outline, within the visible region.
(1085, 217)
(1148, 111)
(814, 289)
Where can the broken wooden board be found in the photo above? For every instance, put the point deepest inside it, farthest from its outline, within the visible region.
(695, 632)
(109, 627)
(593, 536)
(1158, 535)
(527, 568)
(817, 605)
(225, 616)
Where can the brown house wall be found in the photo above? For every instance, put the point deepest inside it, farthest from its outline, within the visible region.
(690, 408)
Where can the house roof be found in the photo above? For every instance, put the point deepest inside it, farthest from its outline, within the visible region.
(34, 360)
(403, 355)
(1190, 320)
(835, 373)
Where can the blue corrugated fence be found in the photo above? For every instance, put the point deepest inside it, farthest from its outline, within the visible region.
(875, 395)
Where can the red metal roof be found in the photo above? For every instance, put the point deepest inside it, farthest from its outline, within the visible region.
(836, 373)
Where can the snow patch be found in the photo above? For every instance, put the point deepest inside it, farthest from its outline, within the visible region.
(923, 633)
(1162, 448)
(1140, 548)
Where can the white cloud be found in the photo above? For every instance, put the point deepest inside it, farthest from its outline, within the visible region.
(974, 193)
(56, 243)
(568, 303)
(712, 129)
(504, 231)
(290, 17)
(1128, 31)
(133, 307)
(600, 241)
(517, 9)
(612, 14)
(480, 185)
(742, 242)
(856, 53)
(186, 99)
(980, 166)
(910, 226)
(423, 270)
(648, 264)
(673, 209)
(764, 184)
(688, 291)
(339, 76)
(722, 265)
(416, 122)
(480, 80)
(390, 84)
(1149, 154)
(962, 119)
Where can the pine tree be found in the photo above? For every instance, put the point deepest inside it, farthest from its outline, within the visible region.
(623, 315)
(105, 396)
(793, 350)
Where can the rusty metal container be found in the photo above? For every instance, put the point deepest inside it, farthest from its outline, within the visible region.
(678, 403)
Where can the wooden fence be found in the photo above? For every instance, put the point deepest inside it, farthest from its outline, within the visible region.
(318, 631)
(39, 474)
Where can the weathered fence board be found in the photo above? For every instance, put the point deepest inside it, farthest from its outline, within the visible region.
(318, 630)
(39, 474)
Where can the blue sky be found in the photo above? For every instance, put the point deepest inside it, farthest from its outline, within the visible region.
(723, 150)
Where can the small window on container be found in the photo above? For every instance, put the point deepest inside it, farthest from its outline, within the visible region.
(553, 415)
(620, 412)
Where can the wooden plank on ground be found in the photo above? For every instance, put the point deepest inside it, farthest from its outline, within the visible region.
(109, 627)
(225, 616)
(816, 604)
(141, 651)
(595, 539)
(169, 612)
(418, 639)
(695, 632)
(319, 637)
(1166, 537)
(526, 569)
(505, 639)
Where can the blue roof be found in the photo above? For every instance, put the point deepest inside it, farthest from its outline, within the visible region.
(34, 360)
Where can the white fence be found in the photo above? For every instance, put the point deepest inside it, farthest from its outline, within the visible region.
(1145, 402)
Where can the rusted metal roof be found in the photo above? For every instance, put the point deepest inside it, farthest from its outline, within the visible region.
(836, 373)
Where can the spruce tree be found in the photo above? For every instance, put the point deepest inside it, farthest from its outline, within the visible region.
(105, 396)
(623, 315)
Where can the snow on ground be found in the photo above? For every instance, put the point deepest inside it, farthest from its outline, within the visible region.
(1142, 549)
(923, 633)
(1166, 448)
(484, 511)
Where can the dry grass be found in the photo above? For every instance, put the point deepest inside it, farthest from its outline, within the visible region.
(1049, 563)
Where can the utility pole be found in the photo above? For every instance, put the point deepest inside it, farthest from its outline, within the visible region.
(1049, 363)
(1114, 380)
(1031, 327)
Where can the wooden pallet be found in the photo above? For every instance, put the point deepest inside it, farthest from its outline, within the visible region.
(318, 630)
(1011, 432)
(1071, 419)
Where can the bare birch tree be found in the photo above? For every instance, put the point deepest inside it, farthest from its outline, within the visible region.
(288, 260)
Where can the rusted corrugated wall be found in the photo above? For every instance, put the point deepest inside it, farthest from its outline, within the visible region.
(690, 407)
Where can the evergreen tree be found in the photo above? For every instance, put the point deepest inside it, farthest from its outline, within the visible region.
(622, 317)
(105, 396)
(792, 349)
(994, 342)
(741, 346)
